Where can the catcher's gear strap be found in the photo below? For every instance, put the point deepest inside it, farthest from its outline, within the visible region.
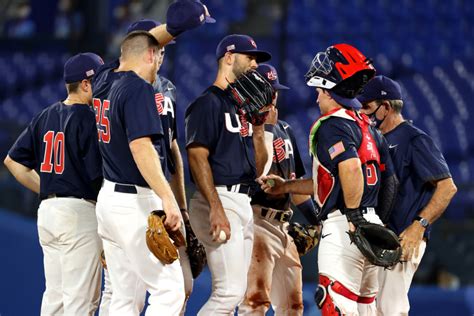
(340, 289)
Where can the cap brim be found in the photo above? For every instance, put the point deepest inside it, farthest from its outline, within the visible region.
(262, 56)
(278, 86)
(364, 99)
(210, 19)
(351, 103)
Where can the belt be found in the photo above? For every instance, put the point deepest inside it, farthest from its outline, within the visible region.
(280, 216)
(240, 188)
(125, 188)
(56, 195)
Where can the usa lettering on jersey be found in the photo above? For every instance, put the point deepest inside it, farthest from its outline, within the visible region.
(283, 149)
(164, 105)
(243, 127)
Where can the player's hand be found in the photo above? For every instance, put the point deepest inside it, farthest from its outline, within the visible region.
(272, 184)
(272, 117)
(173, 215)
(410, 240)
(219, 222)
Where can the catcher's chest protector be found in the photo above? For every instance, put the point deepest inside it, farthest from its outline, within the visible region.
(322, 178)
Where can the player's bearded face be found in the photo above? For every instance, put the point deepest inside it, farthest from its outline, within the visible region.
(242, 63)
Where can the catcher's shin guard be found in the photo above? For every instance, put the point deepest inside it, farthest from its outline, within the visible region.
(325, 302)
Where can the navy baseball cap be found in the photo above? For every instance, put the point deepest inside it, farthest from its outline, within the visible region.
(81, 66)
(238, 43)
(269, 72)
(348, 102)
(380, 88)
(145, 25)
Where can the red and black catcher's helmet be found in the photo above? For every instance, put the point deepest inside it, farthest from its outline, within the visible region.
(342, 68)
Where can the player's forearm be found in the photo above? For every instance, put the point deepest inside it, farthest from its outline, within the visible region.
(261, 152)
(148, 163)
(26, 176)
(161, 35)
(442, 196)
(299, 186)
(352, 182)
(202, 175)
(177, 179)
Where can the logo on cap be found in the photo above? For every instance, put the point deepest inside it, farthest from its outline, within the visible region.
(201, 17)
(271, 75)
(90, 73)
(383, 92)
(253, 43)
(230, 47)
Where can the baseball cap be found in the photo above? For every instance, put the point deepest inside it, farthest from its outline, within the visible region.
(269, 72)
(348, 102)
(244, 44)
(380, 88)
(81, 66)
(145, 25)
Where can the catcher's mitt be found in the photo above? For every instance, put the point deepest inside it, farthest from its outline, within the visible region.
(377, 243)
(195, 250)
(306, 237)
(162, 243)
(251, 92)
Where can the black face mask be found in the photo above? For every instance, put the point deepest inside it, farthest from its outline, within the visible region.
(374, 118)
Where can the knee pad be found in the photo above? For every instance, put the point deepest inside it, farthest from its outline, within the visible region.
(324, 300)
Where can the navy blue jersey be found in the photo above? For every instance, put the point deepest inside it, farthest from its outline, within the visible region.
(337, 140)
(165, 99)
(212, 121)
(418, 162)
(61, 144)
(125, 110)
(287, 163)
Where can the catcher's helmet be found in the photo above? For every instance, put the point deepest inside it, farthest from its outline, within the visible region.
(342, 68)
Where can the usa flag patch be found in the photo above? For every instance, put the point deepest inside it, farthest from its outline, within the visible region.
(336, 149)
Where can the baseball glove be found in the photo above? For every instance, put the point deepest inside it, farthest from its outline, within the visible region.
(377, 243)
(162, 243)
(195, 250)
(251, 92)
(306, 237)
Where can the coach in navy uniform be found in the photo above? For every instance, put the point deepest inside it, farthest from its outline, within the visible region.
(57, 156)
(426, 188)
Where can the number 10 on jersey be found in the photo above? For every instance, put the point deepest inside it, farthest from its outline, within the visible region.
(103, 124)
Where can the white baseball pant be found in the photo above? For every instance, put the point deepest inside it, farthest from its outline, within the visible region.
(275, 271)
(340, 260)
(228, 262)
(67, 229)
(133, 269)
(392, 299)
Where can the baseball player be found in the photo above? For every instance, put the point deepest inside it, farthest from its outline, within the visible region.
(348, 158)
(165, 97)
(275, 276)
(225, 156)
(134, 153)
(426, 188)
(57, 156)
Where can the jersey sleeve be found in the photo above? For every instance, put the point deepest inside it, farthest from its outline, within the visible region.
(202, 122)
(427, 159)
(22, 150)
(300, 170)
(89, 145)
(140, 114)
(336, 142)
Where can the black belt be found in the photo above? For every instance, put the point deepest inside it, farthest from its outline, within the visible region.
(125, 188)
(243, 188)
(280, 216)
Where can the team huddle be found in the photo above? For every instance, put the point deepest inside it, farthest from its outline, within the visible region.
(109, 173)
